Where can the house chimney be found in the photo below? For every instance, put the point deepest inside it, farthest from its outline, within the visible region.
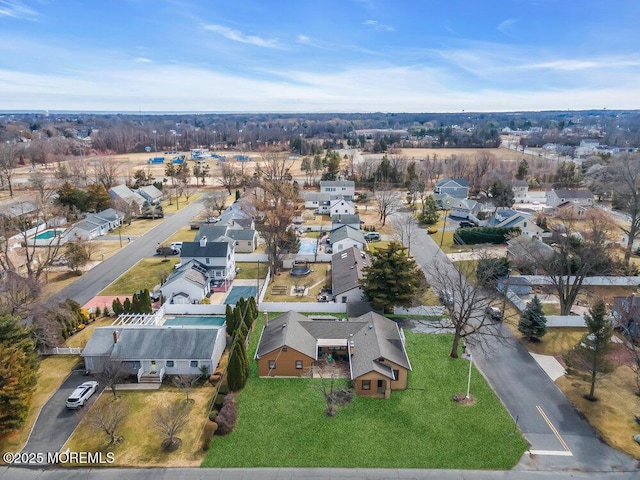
(116, 336)
(203, 241)
(265, 316)
(351, 347)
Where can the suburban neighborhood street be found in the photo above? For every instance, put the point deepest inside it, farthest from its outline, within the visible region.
(96, 279)
(559, 438)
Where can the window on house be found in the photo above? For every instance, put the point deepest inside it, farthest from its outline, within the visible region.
(366, 384)
(206, 260)
(285, 349)
(525, 224)
(396, 374)
(194, 363)
(272, 364)
(298, 364)
(169, 363)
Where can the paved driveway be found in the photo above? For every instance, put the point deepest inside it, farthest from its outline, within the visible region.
(55, 422)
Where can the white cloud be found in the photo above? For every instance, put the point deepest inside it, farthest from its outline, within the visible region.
(506, 26)
(17, 9)
(378, 26)
(238, 36)
(143, 60)
(574, 65)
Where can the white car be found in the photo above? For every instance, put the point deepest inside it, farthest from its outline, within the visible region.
(81, 394)
(176, 246)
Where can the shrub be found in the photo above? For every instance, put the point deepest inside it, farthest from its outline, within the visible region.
(228, 415)
(98, 312)
(496, 235)
(224, 389)
(219, 400)
(431, 230)
(207, 434)
(213, 414)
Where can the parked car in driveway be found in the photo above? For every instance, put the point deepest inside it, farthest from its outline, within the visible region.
(494, 313)
(446, 297)
(81, 394)
(166, 251)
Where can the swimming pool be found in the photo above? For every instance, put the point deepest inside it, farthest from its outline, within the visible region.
(307, 246)
(195, 321)
(48, 234)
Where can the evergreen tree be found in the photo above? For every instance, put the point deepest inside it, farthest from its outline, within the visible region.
(596, 344)
(237, 320)
(253, 309)
(392, 279)
(127, 305)
(229, 319)
(533, 323)
(117, 307)
(523, 169)
(237, 370)
(429, 214)
(18, 372)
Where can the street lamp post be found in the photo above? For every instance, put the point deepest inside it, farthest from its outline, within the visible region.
(155, 146)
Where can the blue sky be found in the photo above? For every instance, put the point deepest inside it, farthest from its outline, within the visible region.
(319, 55)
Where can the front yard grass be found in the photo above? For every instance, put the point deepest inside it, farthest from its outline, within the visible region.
(52, 372)
(147, 273)
(282, 422)
(141, 444)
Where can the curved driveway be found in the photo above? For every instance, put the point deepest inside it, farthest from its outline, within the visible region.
(547, 419)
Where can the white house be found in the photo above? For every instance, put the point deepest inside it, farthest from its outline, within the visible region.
(150, 193)
(341, 206)
(94, 225)
(582, 197)
(319, 201)
(188, 283)
(244, 240)
(123, 195)
(520, 189)
(339, 220)
(150, 352)
(346, 188)
(346, 273)
(508, 218)
(464, 208)
(217, 257)
(346, 237)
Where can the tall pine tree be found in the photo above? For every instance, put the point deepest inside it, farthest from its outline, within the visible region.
(533, 323)
(596, 344)
(237, 371)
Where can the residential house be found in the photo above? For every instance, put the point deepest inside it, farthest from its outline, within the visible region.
(345, 237)
(517, 284)
(218, 258)
(444, 200)
(527, 252)
(581, 197)
(341, 206)
(346, 188)
(346, 273)
(626, 314)
(244, 240)
(239, 214)
(340, 220)
(588, 146)
(463, 208)
(121, 195)
(151, 352)
(520, 190)
(319, 202)
(187, 284)
(94, 225)
(508, 218)
(456, 187)
(150, 193)
(373, 347)
(570, 210)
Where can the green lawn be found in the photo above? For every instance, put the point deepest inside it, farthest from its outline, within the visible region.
(144, 274)
(282, 423)
(249, 270)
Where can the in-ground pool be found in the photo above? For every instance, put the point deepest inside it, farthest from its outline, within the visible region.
(240, 291)
(48, 234)
(307, 246)
(195, 321)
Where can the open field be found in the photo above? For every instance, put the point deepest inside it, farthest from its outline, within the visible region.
(418, 428)
(141, 444)
(52, 372)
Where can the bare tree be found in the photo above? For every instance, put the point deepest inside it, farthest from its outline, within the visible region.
(215, 202)
(106, 172)
(109, 418)
(8, 162)
(170, 419)
(185, 383)
(18, 293)
(465, 300)
(387, 201)
(112, 374)
(333, 395)
(228, 177)
(405, 226)
(623, 177)
(43, 184)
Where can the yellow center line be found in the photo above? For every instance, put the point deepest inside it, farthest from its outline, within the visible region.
(553, 429)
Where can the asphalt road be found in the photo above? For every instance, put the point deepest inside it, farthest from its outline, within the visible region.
(95, 280)
(546, 418)
(56, 423)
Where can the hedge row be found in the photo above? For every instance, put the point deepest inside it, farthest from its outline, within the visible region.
(497, 235)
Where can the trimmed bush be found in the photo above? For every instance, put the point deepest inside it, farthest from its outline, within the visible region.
(224, 389)
(213, 414)
(228, 415)
(219, 400)
(207, 434)
(495, 235)
(432, 230)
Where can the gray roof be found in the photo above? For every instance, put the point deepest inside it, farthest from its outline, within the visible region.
(347, 231)
(519, 183)
(217, 232)
(346, 270)
(375, 338)
(110, 214)
(337, 183)
(569, 193)
(211, 231)
(211, 249)
(318, 197)
(153, 343)
(125, 193)
(345, 219)
(462, 182)
(150, 191)
(192, 271)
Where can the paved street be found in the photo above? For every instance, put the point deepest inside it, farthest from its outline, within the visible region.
(546, 418)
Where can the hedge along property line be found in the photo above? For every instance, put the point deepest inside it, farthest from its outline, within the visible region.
(495, 235)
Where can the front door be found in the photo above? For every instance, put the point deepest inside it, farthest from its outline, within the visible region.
(154, 368)
(381, 386)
